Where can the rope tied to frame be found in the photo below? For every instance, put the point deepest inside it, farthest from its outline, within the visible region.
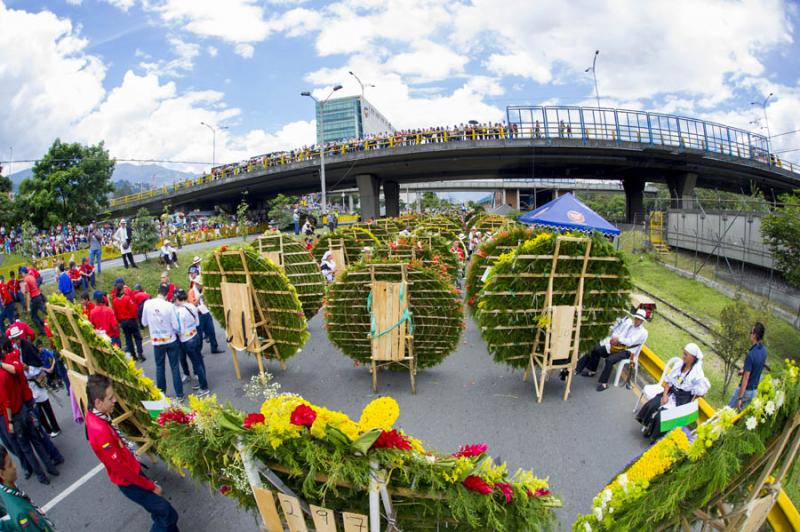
(405, 317)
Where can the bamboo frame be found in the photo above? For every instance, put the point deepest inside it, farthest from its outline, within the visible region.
(80, 358)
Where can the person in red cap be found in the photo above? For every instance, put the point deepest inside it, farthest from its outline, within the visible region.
(27, 332)
(103, 318)
(114, 451)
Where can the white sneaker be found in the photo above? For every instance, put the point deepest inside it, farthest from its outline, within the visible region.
(54, 434)
(203, 393)
(184, 379)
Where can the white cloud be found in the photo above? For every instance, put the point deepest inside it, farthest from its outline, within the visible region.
(244, 50)
(519, 64)
(235, 21)
(185, 53)
(212, 51)
(428, 61)
(74, 2)
(122, 4)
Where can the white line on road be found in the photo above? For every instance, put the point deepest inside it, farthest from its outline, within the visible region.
(75, 485)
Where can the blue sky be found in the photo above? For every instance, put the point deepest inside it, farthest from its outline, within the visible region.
(142, 74)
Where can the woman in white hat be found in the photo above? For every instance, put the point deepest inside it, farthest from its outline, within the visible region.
(328, 266)
(685, 382)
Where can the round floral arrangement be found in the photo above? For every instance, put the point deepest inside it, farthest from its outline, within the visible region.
(276, 295)
(300, 267)
(437, 316)
(304, 443)
(384, 229)
(488, 222)
(354, 239)
(510, 306)
(432, 251)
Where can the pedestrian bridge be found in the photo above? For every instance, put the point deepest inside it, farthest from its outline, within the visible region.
(632, 147)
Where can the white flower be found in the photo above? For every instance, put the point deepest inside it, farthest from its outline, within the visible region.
(587, 527)
(769, 408)
(779, 397)
(430, 458)
(751, 423)
(598, 513)
(756, 403)
(622, 479)
(607, 495)
(611, 510)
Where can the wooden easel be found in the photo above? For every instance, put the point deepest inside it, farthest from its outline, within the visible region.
(756, 487)
(392, 338)
(562, 333)
(267, 244)
(296, 263)
(245, 317)
(337, 248)
(80, 361)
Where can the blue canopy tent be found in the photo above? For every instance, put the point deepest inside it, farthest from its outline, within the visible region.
(568, 213)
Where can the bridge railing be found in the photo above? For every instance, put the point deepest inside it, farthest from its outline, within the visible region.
(582, 125)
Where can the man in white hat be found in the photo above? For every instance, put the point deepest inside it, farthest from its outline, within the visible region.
(124, 239)
(168, 254)
(195, 267)
(626, 341)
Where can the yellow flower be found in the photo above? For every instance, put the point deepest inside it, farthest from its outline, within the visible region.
(336, 419)
(461, 469)
(415, 444)
(277, 418)
(381, 413)
(491, 473)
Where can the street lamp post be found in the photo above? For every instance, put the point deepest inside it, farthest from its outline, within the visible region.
(766, 120)
(593, 70)
(213, 141)
(322, 140)
(363, 112)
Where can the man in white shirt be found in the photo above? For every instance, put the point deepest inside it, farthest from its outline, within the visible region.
(123, 238)
(626, 341)
(168, 254)
(191, 344)
(206, 328)
(159, 314)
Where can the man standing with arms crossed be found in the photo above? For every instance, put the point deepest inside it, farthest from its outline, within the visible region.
(114, 451)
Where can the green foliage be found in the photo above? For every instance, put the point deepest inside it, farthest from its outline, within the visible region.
(300, 267)
(241, 216)
(28, 231)
(489, 251)
(488, 222)
(70, 183)
(432, 251)
(280, 210)
(145, 233)
(733, 338)
(431, 201)
(276, 295)
(781, 231)
(609, 206)
(436, 312)
(511, 304)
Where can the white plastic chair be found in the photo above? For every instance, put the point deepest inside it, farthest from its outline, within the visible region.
(622, 363)
(651, 390)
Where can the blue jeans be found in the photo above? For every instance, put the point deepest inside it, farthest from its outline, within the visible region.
(746, 398)
(206, 330)
(37, 304)
(192, 349)
(297, 228)
(165, 518)
(173, 352)
(95, 254)
(7, 314)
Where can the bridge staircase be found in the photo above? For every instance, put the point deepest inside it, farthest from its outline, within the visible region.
(657, 240)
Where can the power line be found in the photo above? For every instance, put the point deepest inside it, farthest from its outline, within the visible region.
(786, 133)
(15, 161)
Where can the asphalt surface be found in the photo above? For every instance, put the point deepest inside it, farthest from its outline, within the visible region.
(579, 443)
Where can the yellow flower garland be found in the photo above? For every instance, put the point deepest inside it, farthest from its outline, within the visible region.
(381, 413)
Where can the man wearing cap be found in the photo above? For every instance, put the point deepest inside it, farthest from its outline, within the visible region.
(195, 266)
(65, 285)
(168, 254)
(123, 238)
(33, 297)
(103, 318)
(159, 314)
(626, 341)
(206, 327)
(127, 315)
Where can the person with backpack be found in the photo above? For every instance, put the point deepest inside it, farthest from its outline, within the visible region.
(191, 343)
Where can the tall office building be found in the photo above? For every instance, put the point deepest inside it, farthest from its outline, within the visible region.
(352, 117)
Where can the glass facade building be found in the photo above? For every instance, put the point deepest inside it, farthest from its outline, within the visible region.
(352, 117)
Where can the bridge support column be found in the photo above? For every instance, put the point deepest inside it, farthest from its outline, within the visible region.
(681, 190)
(634, 199)
(391, 197)
(368, 191)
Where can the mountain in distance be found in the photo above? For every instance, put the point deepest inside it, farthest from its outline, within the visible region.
(132, 173)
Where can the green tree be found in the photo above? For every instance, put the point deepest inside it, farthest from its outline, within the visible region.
(71, 183)
(280, 210)
(430, 200)
(781, 232)
(241, 216)
(733, 338)
(27, 232)
(145, 233)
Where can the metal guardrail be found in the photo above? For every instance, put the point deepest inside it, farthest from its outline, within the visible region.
(580, 124)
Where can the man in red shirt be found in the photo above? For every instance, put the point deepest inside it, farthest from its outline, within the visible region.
(87, 274)
(13, 287)
(7, 301)
(103, 318)
(139, 296)
(27, 332)
(33, 296)
(75, 276)
(114, 452)
(127, 314)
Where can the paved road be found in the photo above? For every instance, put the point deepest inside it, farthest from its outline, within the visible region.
(580, 444)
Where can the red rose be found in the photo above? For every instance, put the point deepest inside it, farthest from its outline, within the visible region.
(225, 489)
(476, 483)
(506, 490)
(542, 492)
(303, 416)
(174, 415)
(471, 301)
(392, 439)
(253, 419)
(471, 450)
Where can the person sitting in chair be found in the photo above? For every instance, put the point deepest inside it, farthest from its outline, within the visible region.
(681, 386)
(168, 254)
(626, 340)
(328, 266)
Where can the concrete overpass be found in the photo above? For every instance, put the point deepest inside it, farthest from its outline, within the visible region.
(632, 147)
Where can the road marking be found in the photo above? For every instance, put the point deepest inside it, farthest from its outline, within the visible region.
(74, 486)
